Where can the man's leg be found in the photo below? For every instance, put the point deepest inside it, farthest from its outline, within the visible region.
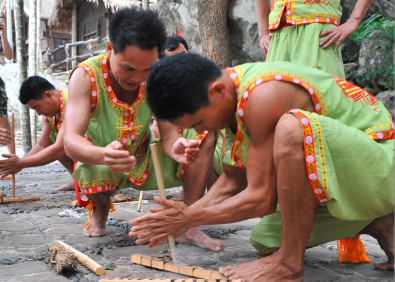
(97, 223)
(6, 125)
(195, 182)
(382, 229)
(69, 165)
(298, 206)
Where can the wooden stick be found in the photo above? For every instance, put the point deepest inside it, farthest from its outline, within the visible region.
(19, 199)
(161, 187)
(193, 271)
(7, 177)
(13, 150)
(84, 259)
(169, 280)
(140, 201)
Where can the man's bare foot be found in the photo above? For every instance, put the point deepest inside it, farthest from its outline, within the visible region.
(97, 224)
(67, 187)
(382, 229)
(179, 197)
(196, 237)
(269, 269)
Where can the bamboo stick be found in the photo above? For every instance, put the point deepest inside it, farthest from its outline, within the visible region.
(84, 259)
(19, 199)
(161, 187)
(7, 177)
(13, 150)
(170, 280)
(140, 201)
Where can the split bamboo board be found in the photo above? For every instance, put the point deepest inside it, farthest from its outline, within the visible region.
(169, 280)
(193, 271)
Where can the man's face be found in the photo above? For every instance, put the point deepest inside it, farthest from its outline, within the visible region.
(209, 118)
(131, 66)
(179, 49)
(47, 106)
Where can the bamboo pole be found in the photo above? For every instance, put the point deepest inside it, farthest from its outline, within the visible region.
(13, 150)
(140, 201)
(19, 199)
(161, 187)
(169, 280)
(84, 259)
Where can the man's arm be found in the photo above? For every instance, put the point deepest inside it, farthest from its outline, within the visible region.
(340, 33)
(262, 11)
(76, 123)
(257, 200)
(43, 153)
(6, 45)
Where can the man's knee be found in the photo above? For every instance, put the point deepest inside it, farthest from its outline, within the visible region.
(288, 138)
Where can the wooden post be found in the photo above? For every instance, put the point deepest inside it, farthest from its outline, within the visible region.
(84, 259)
(161, 187)
(140, 201)
(13, 150)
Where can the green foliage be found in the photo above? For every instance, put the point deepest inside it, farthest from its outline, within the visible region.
(381, 30)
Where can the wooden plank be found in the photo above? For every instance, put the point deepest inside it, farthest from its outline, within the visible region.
(157, 263)
(201, 273)
(193, 271)
(169, 280)
(19, 199)
(136, 258)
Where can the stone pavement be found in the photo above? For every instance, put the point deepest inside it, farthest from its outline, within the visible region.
(28, 229)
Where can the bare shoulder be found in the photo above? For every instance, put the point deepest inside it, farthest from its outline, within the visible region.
(80, 83)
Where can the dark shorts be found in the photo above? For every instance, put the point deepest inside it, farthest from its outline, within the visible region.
(3, 101)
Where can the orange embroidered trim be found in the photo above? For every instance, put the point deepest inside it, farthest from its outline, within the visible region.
(61, 109)
(183, 168)
(234, 76)
(99, 189)
(95, 103)
(315, 95)
(311, 165)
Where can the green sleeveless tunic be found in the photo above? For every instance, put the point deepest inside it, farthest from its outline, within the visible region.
(55, 127)
(112, 119)
(349, 150)
(304, 12)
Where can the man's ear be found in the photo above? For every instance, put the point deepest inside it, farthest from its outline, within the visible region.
(216, 89)
(48, 94)
(109, 48)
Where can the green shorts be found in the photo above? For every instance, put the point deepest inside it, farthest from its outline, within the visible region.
(351, 175)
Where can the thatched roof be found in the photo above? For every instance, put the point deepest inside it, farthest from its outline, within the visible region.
(109, 4)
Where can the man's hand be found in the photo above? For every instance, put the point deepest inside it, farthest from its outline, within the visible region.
(10, 165)
(5, 136)
(338, 34)
(155, 228)
(117, 159)
(185, 151)
(3, 29)
(264, 41)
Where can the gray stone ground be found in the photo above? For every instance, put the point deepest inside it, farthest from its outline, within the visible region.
(28, 229)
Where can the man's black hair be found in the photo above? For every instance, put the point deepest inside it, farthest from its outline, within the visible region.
(178, 85)
(172, 43)
(139, 27)
(34, 87)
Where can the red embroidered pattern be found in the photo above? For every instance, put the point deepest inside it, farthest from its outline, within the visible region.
(316, 2)
(94, 106)
(367, 100)
(53, 119)
(99, 189)
(310, 159)
(234, 77)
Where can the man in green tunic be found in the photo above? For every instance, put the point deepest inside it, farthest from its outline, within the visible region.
(41, 96)
(108, 125)
(319, 146)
